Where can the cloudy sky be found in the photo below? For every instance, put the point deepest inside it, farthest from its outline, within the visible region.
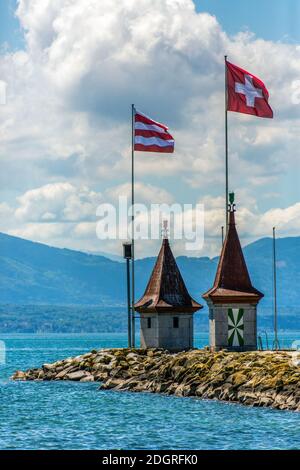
(72, 68)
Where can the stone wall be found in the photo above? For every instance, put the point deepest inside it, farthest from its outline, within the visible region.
(162, 333)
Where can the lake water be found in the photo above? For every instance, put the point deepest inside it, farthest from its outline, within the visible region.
(69, 415)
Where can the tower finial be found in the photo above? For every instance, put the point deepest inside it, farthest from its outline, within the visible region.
(165, 230)
(231, 205)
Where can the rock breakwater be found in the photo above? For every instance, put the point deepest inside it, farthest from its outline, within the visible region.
(266, 379)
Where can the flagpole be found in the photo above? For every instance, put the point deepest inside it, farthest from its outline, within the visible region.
(132, 227)
(226, 146)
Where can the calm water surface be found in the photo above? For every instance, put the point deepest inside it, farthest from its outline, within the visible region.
(69, 415)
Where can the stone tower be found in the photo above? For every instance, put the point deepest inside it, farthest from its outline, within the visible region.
(232, 300)
(166, 308)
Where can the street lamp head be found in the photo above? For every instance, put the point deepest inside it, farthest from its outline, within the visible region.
(127, 250)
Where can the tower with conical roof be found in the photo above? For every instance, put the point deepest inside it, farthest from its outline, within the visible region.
(166, 308)
(232, 300)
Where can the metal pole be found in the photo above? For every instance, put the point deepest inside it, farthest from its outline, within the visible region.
(132, 228)
(226, 145)
(222, 228)
(275, 290)
(128, 301)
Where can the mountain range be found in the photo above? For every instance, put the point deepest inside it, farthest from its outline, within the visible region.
(36, 274)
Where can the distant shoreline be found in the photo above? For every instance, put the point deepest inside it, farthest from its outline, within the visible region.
(54, 318)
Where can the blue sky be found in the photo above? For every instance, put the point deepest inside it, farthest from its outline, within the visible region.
(65, 132)
(277, 20)
(10, 31)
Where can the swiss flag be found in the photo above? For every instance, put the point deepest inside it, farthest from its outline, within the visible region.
(246, 93)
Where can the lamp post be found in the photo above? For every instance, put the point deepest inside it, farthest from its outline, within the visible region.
(127, 254)
(276, 342)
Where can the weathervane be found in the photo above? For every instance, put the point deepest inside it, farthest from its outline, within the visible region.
(165, 230)
(231, 205)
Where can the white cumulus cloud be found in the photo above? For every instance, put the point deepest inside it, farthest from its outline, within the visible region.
(57, 202)
(65, 128)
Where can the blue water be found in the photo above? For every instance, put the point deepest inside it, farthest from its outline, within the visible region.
(70, 415)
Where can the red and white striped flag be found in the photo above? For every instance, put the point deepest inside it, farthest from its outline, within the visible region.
(151, 136)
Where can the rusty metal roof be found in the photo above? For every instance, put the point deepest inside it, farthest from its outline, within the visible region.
(232, 281)
(166, 291)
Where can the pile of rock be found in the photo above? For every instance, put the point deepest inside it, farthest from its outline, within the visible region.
(253, 378)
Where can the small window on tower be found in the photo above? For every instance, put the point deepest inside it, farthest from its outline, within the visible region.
(149, 322)
(175, 322)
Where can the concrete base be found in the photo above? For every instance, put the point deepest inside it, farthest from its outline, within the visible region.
(171, 331)
(234, 348)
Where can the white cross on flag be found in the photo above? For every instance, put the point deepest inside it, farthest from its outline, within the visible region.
(246, 93)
